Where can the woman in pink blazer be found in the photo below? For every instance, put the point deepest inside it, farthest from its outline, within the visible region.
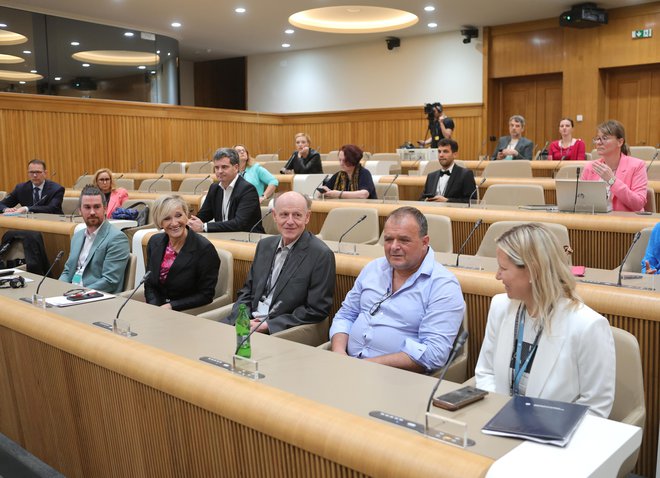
(114, 196)
(625, 175)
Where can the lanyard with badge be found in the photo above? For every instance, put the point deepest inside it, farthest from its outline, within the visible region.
(78, 275)
(264, 306)
(518, 334)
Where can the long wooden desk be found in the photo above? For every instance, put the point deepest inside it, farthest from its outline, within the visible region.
(540, 169)
(599, 241)
(193, 201)
(636, 311)
(90, 403)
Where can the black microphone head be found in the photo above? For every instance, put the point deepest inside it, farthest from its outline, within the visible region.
(462, 339)
(478, 223)
(145, 276)
(363, 218)
(59, 256)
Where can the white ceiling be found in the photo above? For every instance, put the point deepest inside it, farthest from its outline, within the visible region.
(212, 30)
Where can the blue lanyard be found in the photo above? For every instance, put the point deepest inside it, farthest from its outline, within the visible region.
(518, 369)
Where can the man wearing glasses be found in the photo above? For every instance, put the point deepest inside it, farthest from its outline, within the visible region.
(405, 309)
(38, 195)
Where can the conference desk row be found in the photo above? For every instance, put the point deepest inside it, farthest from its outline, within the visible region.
(92, 403)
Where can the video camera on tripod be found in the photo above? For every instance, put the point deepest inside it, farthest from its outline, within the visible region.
(430, 108)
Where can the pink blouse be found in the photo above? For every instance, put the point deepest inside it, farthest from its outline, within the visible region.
(573, 152)
(168, 259)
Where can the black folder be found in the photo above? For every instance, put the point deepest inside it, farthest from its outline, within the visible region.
(537, 419)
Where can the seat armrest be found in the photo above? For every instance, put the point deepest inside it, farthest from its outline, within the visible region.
(219, 314)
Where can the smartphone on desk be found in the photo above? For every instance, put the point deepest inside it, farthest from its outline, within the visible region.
(460, 398)
(90, 294)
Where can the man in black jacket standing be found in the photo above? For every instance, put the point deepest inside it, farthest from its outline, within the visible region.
(232, 204)
(37, 195)
(452, 183)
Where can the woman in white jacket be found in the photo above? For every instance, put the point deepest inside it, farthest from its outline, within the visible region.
(541, 340)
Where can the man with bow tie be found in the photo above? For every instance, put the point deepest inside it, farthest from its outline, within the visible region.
(451, 183)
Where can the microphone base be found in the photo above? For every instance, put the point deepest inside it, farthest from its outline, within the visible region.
(238, 366)
(38, 301)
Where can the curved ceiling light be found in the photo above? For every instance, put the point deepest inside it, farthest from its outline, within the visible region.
(10, 59)
(9, 75)
(117, 57)
(353, 19)
(11, 38)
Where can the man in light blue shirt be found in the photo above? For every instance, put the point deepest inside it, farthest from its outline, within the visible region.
(405, 309)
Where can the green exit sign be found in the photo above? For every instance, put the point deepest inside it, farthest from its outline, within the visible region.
(646, 33)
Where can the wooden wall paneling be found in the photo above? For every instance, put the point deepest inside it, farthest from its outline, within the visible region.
(633, 97)
(538, 50)
(618, 48)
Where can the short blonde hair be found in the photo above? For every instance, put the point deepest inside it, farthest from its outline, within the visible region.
(534, 247)
(164, 205)
(304, 135)
(113, 184)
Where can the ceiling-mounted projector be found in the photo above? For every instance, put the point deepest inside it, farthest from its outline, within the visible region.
(583, 15)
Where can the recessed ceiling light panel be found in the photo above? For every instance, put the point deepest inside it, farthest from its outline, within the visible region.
(353, 19)
(11, 38)
(117, 57)
(429, 8)
(10, 59)
(176, 24)
(9, 75)
(240, 10)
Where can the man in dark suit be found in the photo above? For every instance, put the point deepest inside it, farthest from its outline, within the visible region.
(232, 204)
(451, 183)
(294, 268)
(514, 146)
(36, 195)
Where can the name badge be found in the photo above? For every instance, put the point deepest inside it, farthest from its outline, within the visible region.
(77, 278)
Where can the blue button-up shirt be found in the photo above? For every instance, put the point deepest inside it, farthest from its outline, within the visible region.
(421, 319)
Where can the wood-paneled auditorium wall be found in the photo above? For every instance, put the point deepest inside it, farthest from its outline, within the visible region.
(81, 135)
(585, 59)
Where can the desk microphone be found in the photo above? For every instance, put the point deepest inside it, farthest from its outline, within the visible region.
(349, 230)
(543, 154)
(320, 184)
(144, 278)
(652, 159)
(481, 160)
(5, 247)
(638, 234)
(415, 165)
(81, 178)
(119, 177)
(387, 189)
(57, 259)
(152, 184)
(554, 171)
(270, 211)
(474, 228)
(270, 314)
(289, 163)
(476, 190)
(199, 184)
(458, 345)
(577, 183)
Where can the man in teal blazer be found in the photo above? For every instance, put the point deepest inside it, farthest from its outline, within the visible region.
(99, 252)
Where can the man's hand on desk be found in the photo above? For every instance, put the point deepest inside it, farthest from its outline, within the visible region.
(263, 328)
(438, 198)
(196, 224)
(14, 210)
(649, 269)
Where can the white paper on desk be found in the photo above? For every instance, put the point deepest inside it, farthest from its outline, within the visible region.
(62, 301)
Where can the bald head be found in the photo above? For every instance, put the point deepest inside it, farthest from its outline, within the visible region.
(291, 211)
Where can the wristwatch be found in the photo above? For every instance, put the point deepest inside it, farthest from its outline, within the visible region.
(611, 181)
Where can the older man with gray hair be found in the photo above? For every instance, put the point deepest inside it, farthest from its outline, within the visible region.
(232, 204)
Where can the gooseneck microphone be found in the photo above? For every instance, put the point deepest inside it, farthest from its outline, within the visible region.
(652, 159)
(554, 171)
(638, 234)
(270, 211)
(577, 183)
(387, 189)
(142, 281)
(476, 190)
(349, 230)
(270, 315)
(200, 183)
(289, 163)
(458, 345)
(474, 228)
(543, 154)
(325, 178)
(81, 178)
(154, 183)
(57, 259)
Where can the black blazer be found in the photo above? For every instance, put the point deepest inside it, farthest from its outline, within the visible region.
(309, 165)
(192, 278)
(50, 202)
(244, 208)
(460, 187)
(305, 286)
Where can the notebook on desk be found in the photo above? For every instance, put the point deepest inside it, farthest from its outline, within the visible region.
(591, 196)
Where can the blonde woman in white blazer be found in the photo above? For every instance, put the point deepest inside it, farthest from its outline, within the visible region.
(567, 350)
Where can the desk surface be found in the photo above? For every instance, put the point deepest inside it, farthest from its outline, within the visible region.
(348, 384)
